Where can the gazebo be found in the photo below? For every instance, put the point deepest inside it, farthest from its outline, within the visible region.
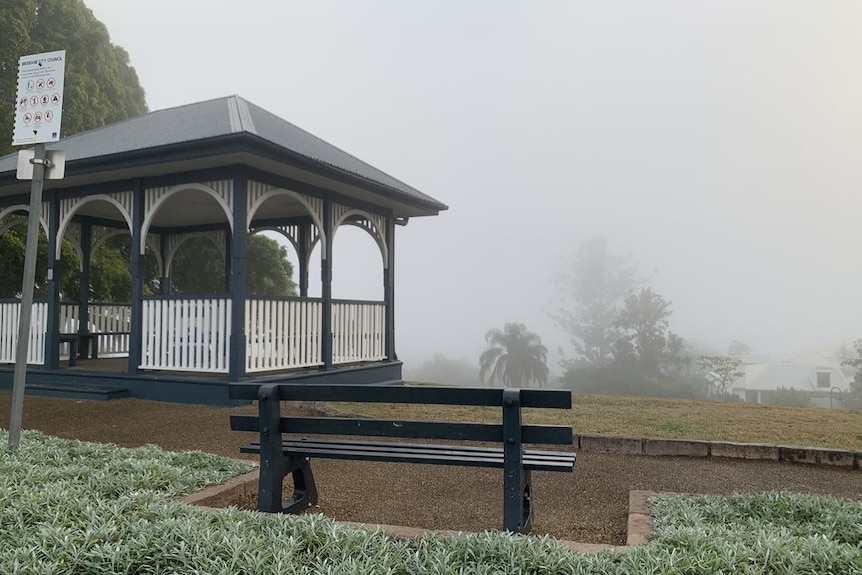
(222, 169)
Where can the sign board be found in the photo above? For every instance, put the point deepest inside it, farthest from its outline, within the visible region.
(55, 167)
(39, 104)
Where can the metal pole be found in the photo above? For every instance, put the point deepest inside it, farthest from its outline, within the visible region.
(27, 296)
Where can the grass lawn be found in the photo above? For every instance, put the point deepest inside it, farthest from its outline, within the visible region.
(69, 507)
(669, 418)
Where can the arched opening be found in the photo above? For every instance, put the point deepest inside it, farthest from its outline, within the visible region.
(357, 265)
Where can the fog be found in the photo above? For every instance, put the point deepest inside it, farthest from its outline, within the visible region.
(717, 143)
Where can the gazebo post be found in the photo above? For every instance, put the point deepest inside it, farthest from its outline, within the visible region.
(239, 246)
(389, 288)
(326, 285)
(52, 336)
(84, 288)
(228, 239)
(139, 266)
(165, 280)
(302, 256)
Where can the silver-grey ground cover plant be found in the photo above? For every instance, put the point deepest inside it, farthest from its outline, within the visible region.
(74, 507)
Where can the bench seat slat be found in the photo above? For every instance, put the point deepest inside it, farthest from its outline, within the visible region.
(493, 452)
(475, 396)
(463, 431)
(419, 453)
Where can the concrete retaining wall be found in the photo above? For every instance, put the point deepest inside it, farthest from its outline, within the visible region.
(694, 448)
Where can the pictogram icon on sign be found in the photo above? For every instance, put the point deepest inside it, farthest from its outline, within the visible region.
(55, 99)
(37, 117)
(30, 85)
(28, 117)
(44, 100)
(40, 84)
(22, 103)
(49, 115)
(51, 83)
(34, 100)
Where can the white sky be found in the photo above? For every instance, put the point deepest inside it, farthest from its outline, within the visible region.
(718, 143)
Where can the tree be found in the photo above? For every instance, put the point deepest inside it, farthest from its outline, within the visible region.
(645, 340)
(515, 357)
(269, 271)
(12, 247)
(721, 371)
(853, 398)
(594, 289)
(738, 348)
(198, 267)
(100, 85)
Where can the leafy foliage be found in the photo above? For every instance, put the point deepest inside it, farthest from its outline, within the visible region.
(770, 532)
(594, 289)
(12, 247)
(721, 371)
(73, 507)
(198, 268)
(792, 396)
(622, 379)
(645, 340)
(738, 348)
(853, 399)
(100, 86)
(515, 357)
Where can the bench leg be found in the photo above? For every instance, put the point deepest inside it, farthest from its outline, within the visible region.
(304, 488)
(518, 502)
(270, 488)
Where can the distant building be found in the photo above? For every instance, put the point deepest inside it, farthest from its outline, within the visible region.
(814, 373)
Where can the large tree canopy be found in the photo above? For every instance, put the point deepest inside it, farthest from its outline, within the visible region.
(594, 289)
(198, 268)
(101, 86)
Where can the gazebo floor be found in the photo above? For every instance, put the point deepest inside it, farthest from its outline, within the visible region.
(108, 364)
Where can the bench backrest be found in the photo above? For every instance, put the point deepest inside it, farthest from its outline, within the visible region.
(510, 401)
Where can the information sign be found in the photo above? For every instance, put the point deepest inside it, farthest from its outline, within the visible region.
(39, 104)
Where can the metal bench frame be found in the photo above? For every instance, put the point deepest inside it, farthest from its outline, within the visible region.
(280, 456)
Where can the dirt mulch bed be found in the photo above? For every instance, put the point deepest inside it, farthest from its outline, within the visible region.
(589, 506)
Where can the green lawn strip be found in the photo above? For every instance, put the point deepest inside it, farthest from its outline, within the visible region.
(666, 418)
(74, 507)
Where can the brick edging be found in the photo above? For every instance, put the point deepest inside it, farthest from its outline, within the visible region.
(695, 448)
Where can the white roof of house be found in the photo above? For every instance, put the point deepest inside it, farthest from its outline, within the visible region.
(799, 373)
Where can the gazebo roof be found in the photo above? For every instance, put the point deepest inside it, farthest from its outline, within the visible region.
(213, 134)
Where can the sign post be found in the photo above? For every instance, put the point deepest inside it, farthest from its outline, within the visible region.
(39, 106)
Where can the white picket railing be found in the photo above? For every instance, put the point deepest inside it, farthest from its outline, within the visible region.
(9, 313)
(283, 333)
(193, 334)
(186, 334)
(358, 331)
(109, 322)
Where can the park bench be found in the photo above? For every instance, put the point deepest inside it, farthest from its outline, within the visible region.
(82, 345)
(280, 455)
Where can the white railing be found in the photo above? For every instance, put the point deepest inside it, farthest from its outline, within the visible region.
(358, 331)
(9, 312)
(282, 333)
(186, 334)
(110, 323)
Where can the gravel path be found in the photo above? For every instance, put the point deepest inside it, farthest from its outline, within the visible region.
(589, 505)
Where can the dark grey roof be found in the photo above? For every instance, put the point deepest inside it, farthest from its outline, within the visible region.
(215, 118)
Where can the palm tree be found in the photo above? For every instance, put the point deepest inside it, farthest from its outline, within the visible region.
(515, 357)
